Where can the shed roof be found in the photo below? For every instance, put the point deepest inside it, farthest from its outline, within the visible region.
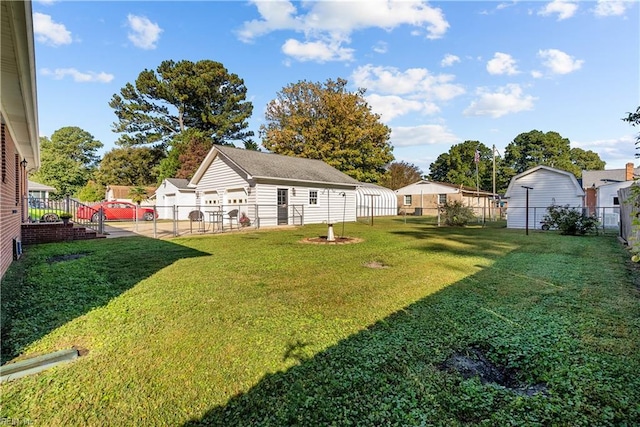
(178, 182)
(122, 191)
(513, 186)
(257, 165)
(437, 187)
(597, 178)
(36, 186)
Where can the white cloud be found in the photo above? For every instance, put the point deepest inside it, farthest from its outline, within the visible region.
(610, 8)
(506, 100)
(77, 76)
(381, 47)
(449, 60)
(422, 135)
(536, 74)
(144, 33)
(417, 81)
(49, 32)
(393, 93)
(564, 9)
(502, 63)
(318, 51)
(616, 152)
(392, 106)
(559, 62)
(334, 22)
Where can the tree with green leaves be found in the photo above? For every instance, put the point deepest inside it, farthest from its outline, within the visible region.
(535, 148)
(400, 174)
(135, 166)
(92, 192)
(458, 166)
(138, 194)
(326, 122)
(182, 95)
(67, 160)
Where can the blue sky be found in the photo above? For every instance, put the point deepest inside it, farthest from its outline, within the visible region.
(438, 73)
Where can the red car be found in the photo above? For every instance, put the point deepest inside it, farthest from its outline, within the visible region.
(115, 211)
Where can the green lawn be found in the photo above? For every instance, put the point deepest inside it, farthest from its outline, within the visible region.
(255, 328)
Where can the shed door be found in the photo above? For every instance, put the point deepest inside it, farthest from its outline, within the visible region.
(283, 206)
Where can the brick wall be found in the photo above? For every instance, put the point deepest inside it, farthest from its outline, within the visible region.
(12, 181)
(43, 232)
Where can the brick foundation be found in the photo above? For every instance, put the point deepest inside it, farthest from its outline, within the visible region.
(55, 232)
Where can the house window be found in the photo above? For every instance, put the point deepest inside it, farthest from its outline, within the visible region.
(313, 197)
(442, 199)
(407, 199)
(616, 201)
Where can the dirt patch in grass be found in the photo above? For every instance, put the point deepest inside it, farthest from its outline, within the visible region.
(473, 363)
(322, 240)
(81, 350)
(68, 257)
(375, 264)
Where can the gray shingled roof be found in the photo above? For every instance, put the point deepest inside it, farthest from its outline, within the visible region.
(268, 165)
(598, 178)
(179, 182)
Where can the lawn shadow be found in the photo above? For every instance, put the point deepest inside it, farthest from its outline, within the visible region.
(477, 241)
(390, 373)
(55, 283)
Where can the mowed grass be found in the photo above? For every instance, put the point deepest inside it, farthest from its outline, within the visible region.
(257, 328)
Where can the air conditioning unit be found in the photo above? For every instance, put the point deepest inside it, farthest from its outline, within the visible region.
(17, 249)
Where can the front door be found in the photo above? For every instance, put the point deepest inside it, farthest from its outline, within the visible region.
(283, 206)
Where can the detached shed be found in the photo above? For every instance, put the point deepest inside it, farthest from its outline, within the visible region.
(545, 186)
(273, 189)
(175, 194)
(374, 200)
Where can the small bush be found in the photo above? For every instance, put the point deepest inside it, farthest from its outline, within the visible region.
(570, 221)
(456, 214)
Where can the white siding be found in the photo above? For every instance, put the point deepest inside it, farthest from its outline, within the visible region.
(331, 204)
(168, 196)
(548, 188)
(609, 213)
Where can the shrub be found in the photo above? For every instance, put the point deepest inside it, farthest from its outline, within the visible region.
(456, 214)
(570, 221)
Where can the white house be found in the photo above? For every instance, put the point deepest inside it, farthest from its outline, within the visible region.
(545, 186)
(174, 194)
(272, 189)
(608, 203)
(39, 191)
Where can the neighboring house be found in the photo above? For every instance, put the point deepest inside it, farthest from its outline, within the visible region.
(601, 189)
(174, 194)
(40, 191)
(424, 197)
(273, 189)
(546, 186)
(608, 203)
(121, 193)
(374, 200)
(20, 148)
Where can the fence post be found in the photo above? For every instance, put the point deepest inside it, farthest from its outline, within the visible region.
(101, 220)
(174, 211)
(155, 230)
